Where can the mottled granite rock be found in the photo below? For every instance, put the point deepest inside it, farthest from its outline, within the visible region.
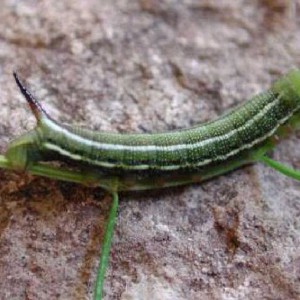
(145, 66)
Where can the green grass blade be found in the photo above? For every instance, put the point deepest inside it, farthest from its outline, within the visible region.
(288, 171)
(57, 173)
(106, 247)
(49, 171)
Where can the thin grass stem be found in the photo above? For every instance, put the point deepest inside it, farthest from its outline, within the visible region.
(106, 245)
(288, 171)
(48, 171)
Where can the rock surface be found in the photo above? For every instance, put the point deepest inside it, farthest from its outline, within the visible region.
(147, 66)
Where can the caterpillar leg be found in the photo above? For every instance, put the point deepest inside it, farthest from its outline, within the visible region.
(106, 245)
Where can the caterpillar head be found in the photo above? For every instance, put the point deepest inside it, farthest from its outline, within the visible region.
(289, 87)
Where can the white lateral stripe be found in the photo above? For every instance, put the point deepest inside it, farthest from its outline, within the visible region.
(168, 167)
(170, 148)
(83, 158)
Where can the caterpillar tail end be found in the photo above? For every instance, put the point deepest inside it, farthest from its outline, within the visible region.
(34, 105)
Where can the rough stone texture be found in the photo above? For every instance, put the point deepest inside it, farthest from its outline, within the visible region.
(148, 65)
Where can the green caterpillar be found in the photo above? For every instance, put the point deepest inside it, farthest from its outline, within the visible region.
(146, 161)
(123, 162)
